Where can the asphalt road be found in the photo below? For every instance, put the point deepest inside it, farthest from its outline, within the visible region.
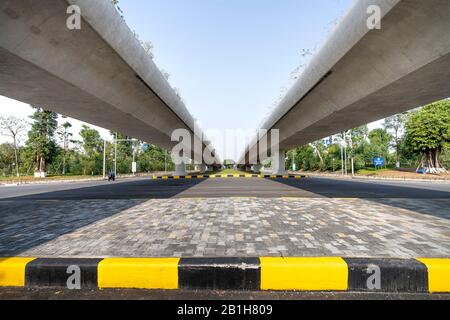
(139, 294)
(144, 188)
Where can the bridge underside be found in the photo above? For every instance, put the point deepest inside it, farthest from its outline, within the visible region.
(99, 74)
(360, 76)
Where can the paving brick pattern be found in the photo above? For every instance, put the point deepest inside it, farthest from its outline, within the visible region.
(227, 227)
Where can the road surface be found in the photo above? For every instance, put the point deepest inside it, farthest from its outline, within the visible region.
(144, 188)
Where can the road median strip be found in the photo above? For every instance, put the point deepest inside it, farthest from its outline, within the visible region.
(228, 176)
(246, 274)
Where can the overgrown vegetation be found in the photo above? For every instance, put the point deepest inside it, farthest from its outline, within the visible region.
(51, 149)
(420, 138)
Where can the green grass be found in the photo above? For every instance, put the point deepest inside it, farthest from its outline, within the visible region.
(49, 178)
(230, 171)
(370, 171)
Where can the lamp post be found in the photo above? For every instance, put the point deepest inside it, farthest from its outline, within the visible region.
(115, 155)
(104, 159)
(115, 150)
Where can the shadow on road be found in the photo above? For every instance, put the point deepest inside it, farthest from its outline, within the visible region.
(133, 189)
(32, 220)
(384, 193)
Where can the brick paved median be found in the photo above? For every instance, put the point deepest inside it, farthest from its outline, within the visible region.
(401, 228)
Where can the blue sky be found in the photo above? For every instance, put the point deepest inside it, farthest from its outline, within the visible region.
(230, 59)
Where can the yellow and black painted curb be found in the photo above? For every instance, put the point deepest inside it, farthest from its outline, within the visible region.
(228, 176)
(431, 275)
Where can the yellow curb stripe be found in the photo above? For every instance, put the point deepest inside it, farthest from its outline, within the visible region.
(438, 274)
(304, 274)
(12, 271)
(142, 273)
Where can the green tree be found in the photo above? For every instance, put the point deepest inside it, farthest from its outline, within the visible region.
(13, 127)
(92, 145)
(320, 153)
(306, 158)
(124, 152)
(92, 142)
(155, 159)
(396, 125)
(428, 133)
(6, 158)
(65, 135)
(41, 138)
(380, 140)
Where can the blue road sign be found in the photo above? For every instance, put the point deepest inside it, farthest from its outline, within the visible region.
(378, 162)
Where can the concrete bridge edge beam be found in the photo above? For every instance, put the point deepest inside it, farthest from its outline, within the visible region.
(180, 169)
(279, 162)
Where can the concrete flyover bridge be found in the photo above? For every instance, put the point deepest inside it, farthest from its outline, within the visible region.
(362, 75)
(99, 74)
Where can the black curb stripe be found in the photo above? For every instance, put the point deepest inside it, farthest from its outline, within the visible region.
(219, 273)
(396, 275)
(52, 272)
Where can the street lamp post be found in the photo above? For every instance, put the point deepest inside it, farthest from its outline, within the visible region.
(342, 158)
(104, 159)
(115, 156)
(345, 153)
(115, 150)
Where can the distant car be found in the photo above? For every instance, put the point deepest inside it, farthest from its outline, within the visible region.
(423, 170)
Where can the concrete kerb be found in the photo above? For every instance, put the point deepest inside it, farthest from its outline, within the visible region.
(228, 176)
(247, 274)
(372, 178)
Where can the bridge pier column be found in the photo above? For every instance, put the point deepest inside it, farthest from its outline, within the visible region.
(257, 168)
(278, 162)
(202, 168)
(180, 169)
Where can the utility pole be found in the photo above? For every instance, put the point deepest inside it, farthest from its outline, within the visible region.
(294, 167)
(115, 155)
(115, 151)
(352, 154)
(165, 161)
(345, 153)
(134, 161)
(104, 159)
(342, 158)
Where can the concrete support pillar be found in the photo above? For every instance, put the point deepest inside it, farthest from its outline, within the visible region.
(278, 162)
(180, 169)
(257, 168)
(202, 168)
